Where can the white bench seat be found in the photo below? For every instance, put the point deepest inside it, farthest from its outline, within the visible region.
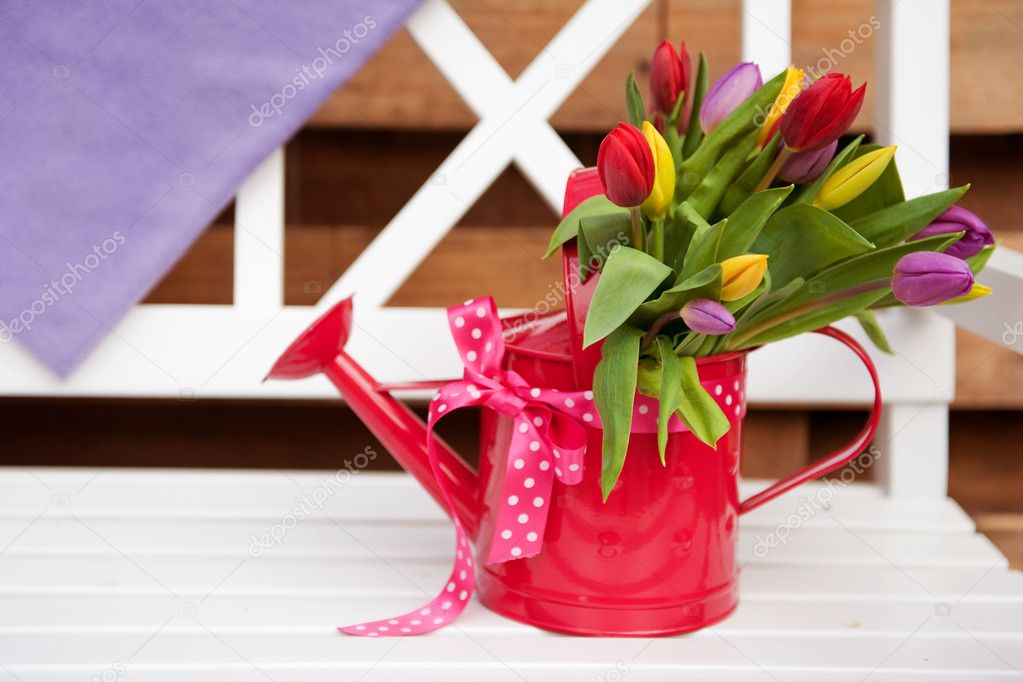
(151, 572)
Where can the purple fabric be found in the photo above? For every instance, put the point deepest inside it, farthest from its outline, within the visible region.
(127, 126)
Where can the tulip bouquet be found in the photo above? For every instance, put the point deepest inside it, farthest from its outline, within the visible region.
(736, 220)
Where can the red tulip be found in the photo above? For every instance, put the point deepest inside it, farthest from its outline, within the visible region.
(821, 113)
(670, 72)
(626, 166)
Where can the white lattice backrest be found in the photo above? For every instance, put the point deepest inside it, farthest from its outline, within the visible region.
(207, 351)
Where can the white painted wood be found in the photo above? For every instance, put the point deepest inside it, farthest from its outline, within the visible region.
(911, 67)
(492, 143)
(143, 572)
(259, 237)
(195, 496)
(914, 436)
(767, 34)
(998, 317)
(193, 352)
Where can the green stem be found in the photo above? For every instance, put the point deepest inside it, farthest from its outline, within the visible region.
(638, 240)
(656, 328)
(657, 248)
(737, 341)
(772, 171)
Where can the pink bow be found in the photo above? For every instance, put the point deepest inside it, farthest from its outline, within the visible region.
(548, 441)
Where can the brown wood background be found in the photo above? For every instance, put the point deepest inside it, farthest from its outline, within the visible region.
(377, 139)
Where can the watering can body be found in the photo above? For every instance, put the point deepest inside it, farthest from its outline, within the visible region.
(659, 556)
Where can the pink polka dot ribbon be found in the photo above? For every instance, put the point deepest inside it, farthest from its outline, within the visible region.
(548, 442)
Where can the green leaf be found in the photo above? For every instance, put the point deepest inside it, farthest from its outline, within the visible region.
(634, 101)
(614, 391)
(801, 240)
(698, 410)
(736, 126)
(899, 222)
(769, 297)
(670, 397)
(886, 191)
(978, 261)
(569, 225)
(704, 284)
(706, 196)
(874, 331)
(830, 295)
(678, 234)
(844, 155)
(694, 135)
(689, 343)
(817, 317)
(598, 235)
(628, 277)
(746, 222)
(703, 249)
(743, 187)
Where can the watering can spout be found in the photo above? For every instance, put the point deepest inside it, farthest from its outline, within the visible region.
(317, 346)
(320, 349)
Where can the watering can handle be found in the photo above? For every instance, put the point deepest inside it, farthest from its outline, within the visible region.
(843, 455)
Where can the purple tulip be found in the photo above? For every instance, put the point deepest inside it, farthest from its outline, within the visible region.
(928, 278)
(707, 317)
(729, 92)
(807, 166)
(958, 219)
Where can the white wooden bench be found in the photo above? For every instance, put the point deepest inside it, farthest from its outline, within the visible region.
(162, 575)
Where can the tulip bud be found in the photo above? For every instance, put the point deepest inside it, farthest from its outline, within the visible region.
(978, 291)
(958, 219)
(803, 167)
(670, 74)
(821, 113)
(656, 204)
(707, 317)
(928, 278)
(729, 92)
(741, 274)
(852, 179)
(794, 80)
(626, 166)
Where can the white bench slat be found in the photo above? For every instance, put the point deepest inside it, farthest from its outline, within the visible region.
(563, 656)
(419, 576)
(73, 600)
(118, 613)
(830, 544)
(267, 496)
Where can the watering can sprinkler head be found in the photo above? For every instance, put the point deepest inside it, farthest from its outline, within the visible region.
(317, 346)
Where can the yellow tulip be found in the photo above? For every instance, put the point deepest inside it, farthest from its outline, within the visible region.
(741, 274)
(978, 291)
(852, 179)
(657, 202)
(789, 91)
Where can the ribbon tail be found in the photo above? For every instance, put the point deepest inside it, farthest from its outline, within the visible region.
(454, 596)
(437, 613)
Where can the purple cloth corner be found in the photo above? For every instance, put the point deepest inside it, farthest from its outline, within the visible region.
(126, 126)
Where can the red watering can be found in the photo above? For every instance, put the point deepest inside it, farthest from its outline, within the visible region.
(657, 558)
